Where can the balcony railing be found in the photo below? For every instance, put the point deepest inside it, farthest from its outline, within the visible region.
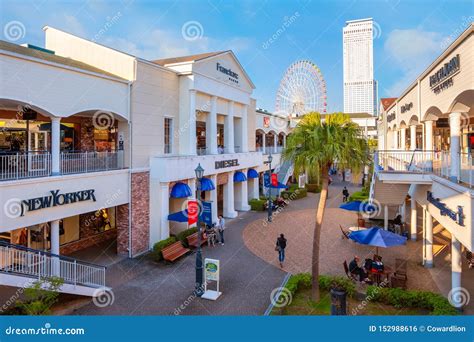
(38, 164)
(436, 162)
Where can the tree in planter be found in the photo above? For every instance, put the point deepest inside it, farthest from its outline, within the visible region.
(313, 146)
(40, 296)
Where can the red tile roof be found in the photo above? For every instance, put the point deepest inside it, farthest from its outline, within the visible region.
(387, 101)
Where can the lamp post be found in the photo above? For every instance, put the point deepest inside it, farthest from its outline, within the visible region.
(269, 162)
(199, 171)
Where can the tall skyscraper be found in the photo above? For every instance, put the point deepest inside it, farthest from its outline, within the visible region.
(360, 88)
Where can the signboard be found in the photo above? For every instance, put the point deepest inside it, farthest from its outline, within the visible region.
(193, 209)
(206, 215)
(226, 163)
(266, 122)
(211, 273)
(233, 76)
(456, 216)
(301, 181)
(445, 72)
(274, 179)
(266, 179)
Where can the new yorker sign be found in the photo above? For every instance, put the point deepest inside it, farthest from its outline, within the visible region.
(226, 163)
(442, 78)
(56, 199)
(233, 76)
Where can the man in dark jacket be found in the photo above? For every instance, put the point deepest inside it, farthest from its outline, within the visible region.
(280, 247)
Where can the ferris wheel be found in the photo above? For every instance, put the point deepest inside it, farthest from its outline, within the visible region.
(302, 90)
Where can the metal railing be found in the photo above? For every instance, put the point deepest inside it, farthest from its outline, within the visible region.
(83, 162)
(37, 264)
(24, 165)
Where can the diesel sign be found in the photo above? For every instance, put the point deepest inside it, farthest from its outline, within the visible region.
(226, 163)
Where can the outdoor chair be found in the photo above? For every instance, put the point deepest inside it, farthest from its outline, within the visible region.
(345, 234)
(401, 268)
(398, 281)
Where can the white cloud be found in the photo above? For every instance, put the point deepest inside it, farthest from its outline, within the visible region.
(411, 51)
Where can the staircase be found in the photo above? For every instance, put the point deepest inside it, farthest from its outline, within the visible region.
(284, 171)
(21, 266)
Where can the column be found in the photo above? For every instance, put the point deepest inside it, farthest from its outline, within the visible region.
(275, 143)
(55, 145)
(192, 186)
(244, 145)
(456, 270)
(211, 128)
(403, 211)
(413, 219)
(229, 129)
(413, 137)
(455, 134)
(385, 217)
(264, 143)
(402, 138)
(241, 195)
(395, 140)
(165, 211)
(284, 141)
(192, 123)
(429, 135)
(429, 239)
(229, 210)
(253, 191)
(55, 265)
(214, 199)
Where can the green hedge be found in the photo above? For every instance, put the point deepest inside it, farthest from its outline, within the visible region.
(303, 281)
(359, 196)
(157, 247)
(436, 303)
(184, 234)
(257, 204)
(292, 195)
(314, 188)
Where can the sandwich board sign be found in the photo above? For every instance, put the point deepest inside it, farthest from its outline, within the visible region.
(211, 273)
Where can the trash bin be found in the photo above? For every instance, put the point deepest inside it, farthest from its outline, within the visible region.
(338, 302)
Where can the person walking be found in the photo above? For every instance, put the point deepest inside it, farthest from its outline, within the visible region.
(280, 247)
(221, 228)
(345, 194)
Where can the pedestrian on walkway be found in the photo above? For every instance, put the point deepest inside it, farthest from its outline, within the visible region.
(280, 247)
(345, 194)
(221, 228)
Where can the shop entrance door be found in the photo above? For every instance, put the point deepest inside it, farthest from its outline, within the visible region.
(220, 199)
(38, 146)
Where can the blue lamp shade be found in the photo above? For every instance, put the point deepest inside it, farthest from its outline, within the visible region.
(252, 173)
(180, 190)
(207, 184)
(239, 177)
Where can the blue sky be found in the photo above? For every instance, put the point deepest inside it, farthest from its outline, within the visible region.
(409, 34)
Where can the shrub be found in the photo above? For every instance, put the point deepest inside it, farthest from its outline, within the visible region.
(40, 296)
(184, 234)
(292, 195)
(293, 187)
(314, 188)
(157, 247)
(359, 196)
(257, 204)
(303, 281)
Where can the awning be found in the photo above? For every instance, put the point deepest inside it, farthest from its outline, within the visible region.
(239, 177)
(252, 173)
(180, 190)
(206, 184)
(279, 186)
(180, 216)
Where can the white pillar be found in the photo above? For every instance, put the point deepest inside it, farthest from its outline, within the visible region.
(192, 186)
(455, 133)
(429, 135)
(211, 128)
(54, 236)
(429, 239)
(229, 210)
(402, 138)
(395, 140)
(385, 217)
(241, 195)
(264, 143)
(244, 145)
(253, 188)
(275, 143)
(413, 137)
(55, 145)
(214, 199)
(165, 211)
(284, 141)
(229, 129)
(403, 211)
(192, 123)
(456, 268)
(413, 219)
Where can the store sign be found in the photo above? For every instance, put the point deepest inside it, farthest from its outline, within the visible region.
(193, 209)
(442, 79)
(406, 107)
(391, 117)
(56, 199)
(233, 76)
(221, 164)
(266, 122)
(456, 216)
(212, 269)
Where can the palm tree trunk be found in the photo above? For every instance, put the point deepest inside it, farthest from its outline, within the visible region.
(315, 295)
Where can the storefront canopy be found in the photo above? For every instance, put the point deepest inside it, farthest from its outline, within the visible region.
(207, 184)
(180, 190)
(239, 177)
(180, 216)
(252, 173)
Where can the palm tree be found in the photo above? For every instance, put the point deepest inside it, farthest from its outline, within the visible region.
(314, 146)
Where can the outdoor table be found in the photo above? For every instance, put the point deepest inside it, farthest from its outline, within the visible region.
(377, 276)
(355, 229)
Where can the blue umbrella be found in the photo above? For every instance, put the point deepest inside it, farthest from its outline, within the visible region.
(377, 237)
(359, 206)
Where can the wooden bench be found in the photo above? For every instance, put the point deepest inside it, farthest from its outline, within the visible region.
(193, 240)
(174, 251)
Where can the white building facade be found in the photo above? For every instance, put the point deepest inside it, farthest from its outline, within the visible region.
(360, 87)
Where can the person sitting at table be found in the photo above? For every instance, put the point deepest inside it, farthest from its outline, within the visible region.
(377, 264)
(354, 268)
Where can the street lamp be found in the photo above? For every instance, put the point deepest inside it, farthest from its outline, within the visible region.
(199, 171)
(269, 162)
